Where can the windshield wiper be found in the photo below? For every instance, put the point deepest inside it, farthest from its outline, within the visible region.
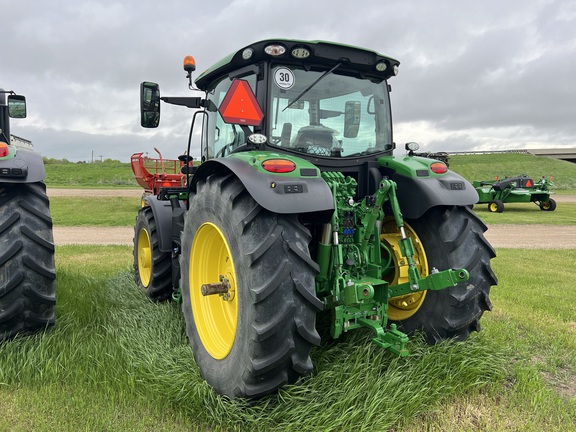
(311, 85)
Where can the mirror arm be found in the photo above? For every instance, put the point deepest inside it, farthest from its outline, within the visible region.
(190, 102)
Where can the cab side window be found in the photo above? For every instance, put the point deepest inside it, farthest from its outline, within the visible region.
(222, 138)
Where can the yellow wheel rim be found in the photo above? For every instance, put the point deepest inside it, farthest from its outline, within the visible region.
(144, 258)
(403, 307)
(493, 207)
(216, 316)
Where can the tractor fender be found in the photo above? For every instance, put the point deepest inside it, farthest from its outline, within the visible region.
(307, 196)
(417, 195)
(25, 167)
(162, 211)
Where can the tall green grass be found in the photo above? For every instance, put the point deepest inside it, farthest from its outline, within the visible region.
(534, 320)
(115, 361)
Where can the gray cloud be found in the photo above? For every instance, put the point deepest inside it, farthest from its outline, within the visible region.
(473, 74)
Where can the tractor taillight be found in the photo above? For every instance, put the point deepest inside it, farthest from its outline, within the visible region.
(279, 165)
(438, 168)
(4, 150)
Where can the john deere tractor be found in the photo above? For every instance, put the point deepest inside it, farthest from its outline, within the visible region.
(299, 210)
(27, 274)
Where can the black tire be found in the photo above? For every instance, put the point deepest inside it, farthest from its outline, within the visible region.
(496, 206)
(453, 238)
(27, 270)
(152, 267)
(549, 205)
(274, 288)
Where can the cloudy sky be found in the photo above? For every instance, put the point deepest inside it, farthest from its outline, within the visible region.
(474, 75)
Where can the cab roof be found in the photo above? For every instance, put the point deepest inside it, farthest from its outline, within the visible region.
(355, 60)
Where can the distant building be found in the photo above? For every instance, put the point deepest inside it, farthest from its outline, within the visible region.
(21, 143)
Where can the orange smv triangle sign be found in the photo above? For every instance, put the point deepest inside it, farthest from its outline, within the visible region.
(240, 105)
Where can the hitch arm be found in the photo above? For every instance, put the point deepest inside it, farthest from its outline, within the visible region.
(436, 280)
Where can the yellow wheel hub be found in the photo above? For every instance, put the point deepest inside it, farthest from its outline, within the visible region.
(144, 258)
(216, 315)
(403, 307)
(493, 207)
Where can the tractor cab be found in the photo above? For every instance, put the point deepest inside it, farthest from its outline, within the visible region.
(324, 102)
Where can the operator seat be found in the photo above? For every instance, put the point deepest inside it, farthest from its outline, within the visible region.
(316, 140)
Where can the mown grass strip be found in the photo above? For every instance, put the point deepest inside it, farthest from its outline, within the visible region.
(529, 214)
(94, 211)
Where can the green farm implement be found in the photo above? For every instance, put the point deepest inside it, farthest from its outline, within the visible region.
(299, 210)
(519, 189)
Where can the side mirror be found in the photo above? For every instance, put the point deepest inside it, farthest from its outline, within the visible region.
(351, 119)
(16, 106)
(149, 104)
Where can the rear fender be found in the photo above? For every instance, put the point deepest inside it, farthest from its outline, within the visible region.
(419, 189)
(306, 194)
(162, 211)
(22, 166)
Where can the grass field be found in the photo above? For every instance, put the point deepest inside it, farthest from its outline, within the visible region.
(110, 174)
(121, 211)
(99, 175)
(115, 361)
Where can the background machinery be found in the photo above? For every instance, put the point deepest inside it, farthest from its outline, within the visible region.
(519, 189)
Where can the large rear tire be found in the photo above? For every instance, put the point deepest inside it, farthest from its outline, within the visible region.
(152, 267)
(256, 337)
(451, 237)
(27, 271)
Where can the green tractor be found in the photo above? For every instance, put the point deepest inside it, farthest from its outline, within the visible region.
(27, 272)
(298, 211)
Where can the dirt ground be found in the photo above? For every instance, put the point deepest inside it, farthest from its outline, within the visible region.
(500, 236)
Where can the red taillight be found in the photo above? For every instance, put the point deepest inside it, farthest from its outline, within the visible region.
(279, 165)
(438, 168)
(4, 150)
